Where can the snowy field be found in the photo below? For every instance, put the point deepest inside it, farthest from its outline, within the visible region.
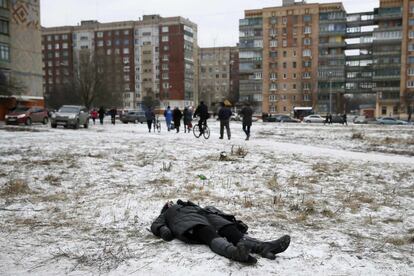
(80, 202)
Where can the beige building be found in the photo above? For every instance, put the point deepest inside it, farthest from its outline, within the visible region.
(216, 78)
(20, 50)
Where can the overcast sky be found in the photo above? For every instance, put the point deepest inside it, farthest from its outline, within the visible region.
(217, 20)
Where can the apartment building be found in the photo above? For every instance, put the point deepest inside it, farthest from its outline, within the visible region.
(218, 75)
(315, 55)
(20, 52)
(158, 56)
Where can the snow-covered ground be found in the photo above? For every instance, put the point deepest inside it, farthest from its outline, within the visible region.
(80, 202)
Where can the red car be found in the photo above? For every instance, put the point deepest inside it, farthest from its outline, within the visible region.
(27, 115)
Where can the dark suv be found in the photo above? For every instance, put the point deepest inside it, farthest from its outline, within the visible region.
(70, 116)
(27, 115)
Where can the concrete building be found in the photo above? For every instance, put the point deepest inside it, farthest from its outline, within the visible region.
(20, 52)
(158, 56)
(218, 75)
(317, 55)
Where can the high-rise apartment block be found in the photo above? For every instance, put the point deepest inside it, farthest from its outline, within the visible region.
(218, 75)
(316, 55)
(158, 55)
(20, 52)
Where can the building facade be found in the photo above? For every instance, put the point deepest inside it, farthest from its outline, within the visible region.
(218, 75)
(157, 55)
(317, 55)
(20, 50)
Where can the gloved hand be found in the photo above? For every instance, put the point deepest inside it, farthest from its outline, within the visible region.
(165, 233)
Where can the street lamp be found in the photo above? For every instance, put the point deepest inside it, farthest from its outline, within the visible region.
(330, 92)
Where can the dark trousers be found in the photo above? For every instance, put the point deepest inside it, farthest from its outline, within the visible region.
(206, 233)
(149, 123)
(201, 122)
(246, 129)
(93, 119)
(101, 120)
(225, 124)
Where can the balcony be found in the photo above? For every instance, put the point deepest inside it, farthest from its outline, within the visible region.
(332, 44)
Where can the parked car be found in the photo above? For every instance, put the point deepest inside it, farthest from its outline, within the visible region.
(337, 119)
(286, 119)
(390, 121)
(272, 117)
(235, 117)
(360, 120)
(27, 115)
(70, 116)
(133, 116)
(314, 119)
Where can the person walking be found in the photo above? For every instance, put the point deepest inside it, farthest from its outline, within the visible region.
(247, 114)
(202, 112)
(187, 118)
(344, 119)
(224, 117)
(112, 112)
(101, 113)
(94, 115)
(150, 116)
(168, 117)
(330, 118)
(225, 235)
(177, 115)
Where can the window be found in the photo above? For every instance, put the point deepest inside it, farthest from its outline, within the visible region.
(164, 38)
(108, 52)
(4, 52)
(306, 41)
(4, 4)
(273, 76)
(273, 20)
(272, 98)
(284, 43)
(294, 75)
(284, 20)
(164, 29)
(57, 46)
(284, 65)
(64, 45)
(410, 84)
(108, 43)
(307, 18)
(384, 110)
(284, 54)
(273, 43)
(99, 43)
(258, 75)
(306, 75)
(410, 71)
(126, 32)
(99, 34)
(307, 53)
(294, 64)
(4, 27)
(284, 76)
(307, 30)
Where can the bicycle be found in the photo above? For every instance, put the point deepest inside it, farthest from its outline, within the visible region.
(157, 124)
(205, 131)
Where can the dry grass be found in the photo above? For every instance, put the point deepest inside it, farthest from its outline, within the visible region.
(15, 187)
(239, 151)
(400, 241)
(53, 180)
(273, 184)
(357, 136)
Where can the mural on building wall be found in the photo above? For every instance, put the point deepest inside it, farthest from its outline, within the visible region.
(26, 12)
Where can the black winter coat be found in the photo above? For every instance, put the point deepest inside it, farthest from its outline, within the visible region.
(224, 113)
(182, 217)
(202, 111)
(247, 114)
(177, 115)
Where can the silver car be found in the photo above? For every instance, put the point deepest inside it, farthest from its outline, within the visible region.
(70, 116)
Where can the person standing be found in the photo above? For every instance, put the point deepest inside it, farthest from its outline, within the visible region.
(150, 116)
(202, 112)
(168, 117)
(177, 115)
(187, 118)
(344, 119)
(112, 112)
(224, 117)
(330, 118)
(247, 114)
(94, 115)
(101, 113)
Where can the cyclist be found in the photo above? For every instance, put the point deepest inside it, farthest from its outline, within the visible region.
(202, 112)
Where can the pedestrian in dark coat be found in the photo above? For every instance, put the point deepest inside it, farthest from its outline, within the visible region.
(202, 112)
(101, 113)
(224, 117)
(330, 119)
(150, 116)
(177, 115)
(247, 114)
(344, 119)
(187, 118)
(224, 234)
(112, 112)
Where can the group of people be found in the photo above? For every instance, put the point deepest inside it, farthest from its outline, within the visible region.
(328, 119)
(100, 113)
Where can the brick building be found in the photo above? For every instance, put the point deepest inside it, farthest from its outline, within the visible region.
(158, 56)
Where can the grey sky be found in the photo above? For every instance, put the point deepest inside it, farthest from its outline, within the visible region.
(217, 20)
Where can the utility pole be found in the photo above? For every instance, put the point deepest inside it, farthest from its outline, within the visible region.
(330, 92)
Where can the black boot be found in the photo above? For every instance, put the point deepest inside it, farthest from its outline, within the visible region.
(238, 253)
(267, 249)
